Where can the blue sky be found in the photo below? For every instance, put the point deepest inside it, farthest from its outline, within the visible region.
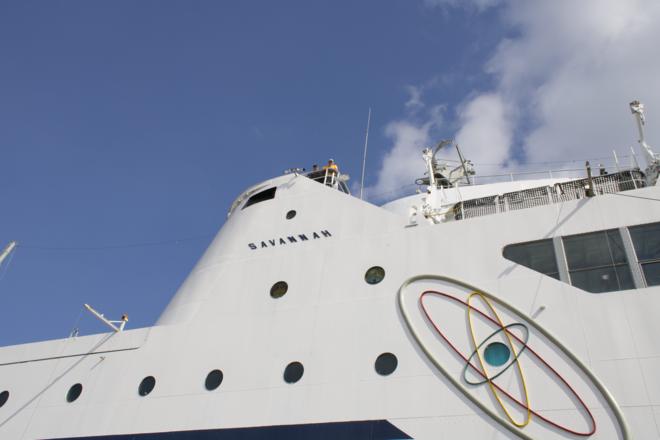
(127, 122)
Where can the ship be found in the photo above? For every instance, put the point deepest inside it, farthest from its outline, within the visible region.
(523, 308)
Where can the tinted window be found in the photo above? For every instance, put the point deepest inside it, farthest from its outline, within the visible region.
(386, 364)
(260, 197)
(536, 255)
(4, 396)
(651, 273)
(646, 239)
(597, 261)
(293, 372)
(213, 380)
(74, 393)
(146, 386)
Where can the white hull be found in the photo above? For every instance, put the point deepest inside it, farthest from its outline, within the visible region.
(336, 325)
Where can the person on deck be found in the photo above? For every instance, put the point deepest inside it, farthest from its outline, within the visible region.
(331, 166)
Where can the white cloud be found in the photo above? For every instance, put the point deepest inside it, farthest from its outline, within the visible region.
(403, 163)
(573, 70)
(485, 129)
(415, 102)
(562, 84)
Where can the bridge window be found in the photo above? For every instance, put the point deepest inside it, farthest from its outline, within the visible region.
(646, 240)
(536, 255)
(597, 261)
(261, 197)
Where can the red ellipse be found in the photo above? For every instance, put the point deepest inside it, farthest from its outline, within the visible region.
(529, 349)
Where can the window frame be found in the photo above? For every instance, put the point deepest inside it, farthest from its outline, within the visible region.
(614, 265)
(639, 261)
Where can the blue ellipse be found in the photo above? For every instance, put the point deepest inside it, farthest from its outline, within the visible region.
(512, 361)
(497, 354)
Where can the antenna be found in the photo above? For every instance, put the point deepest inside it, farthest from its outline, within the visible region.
(465, 170)
(364, 158)
(5, 253)
(122, 322)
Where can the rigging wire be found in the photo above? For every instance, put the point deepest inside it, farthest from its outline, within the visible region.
(5, 268)
(115, 246)
(75, 330)
(636, 197)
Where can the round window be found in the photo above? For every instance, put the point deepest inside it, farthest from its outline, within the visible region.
(74, 393)
(213, 380)
(386, 364)
(279, 289)
(4, 396)
(147, 385)
(293, 372)
(374, 275)
(291, 214)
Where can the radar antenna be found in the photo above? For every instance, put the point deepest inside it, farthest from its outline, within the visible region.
(439, 175)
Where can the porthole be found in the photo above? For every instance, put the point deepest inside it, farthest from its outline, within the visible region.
(293, 372)
(4, 396)
(147, 385)
(291, 214)
(386, 364)
(279, 289)
(74, 393)
(213, 380)
(374, 275)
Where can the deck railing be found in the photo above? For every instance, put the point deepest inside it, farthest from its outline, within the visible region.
(547, 195)
(328, 177)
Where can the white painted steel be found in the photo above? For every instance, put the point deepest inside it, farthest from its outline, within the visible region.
(336, 324)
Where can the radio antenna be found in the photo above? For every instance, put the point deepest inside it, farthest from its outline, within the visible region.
(364, 158)
(5, 253)
(112, 324)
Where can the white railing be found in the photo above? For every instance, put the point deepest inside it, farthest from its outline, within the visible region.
(328, 177)
(547, 195)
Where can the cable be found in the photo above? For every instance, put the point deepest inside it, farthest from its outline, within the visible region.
(112, 246)
(4, 271)
(636, 197)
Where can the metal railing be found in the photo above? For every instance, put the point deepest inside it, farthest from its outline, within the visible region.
(547, 195)
(328, 177)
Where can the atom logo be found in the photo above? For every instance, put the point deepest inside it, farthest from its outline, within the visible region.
(507, 364)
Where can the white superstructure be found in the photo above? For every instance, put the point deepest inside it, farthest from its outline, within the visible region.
(524, 309)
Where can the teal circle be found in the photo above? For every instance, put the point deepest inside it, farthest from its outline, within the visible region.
(497, 354)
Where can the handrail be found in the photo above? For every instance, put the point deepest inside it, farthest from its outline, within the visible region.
(547, 195)
(328, 177)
